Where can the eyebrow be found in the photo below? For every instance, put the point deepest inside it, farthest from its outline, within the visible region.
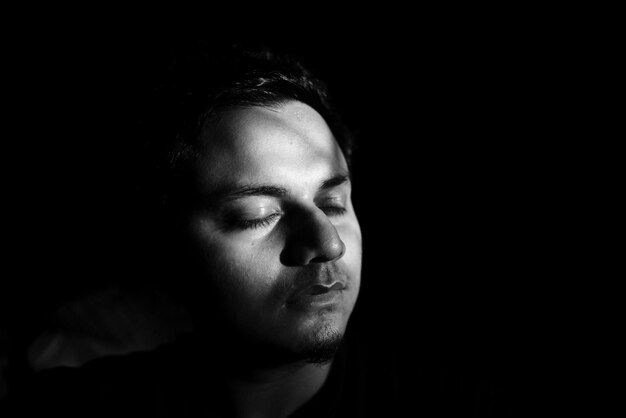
(239, 191)
(334, 181)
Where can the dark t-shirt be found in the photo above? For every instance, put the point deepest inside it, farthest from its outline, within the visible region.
(177, 380)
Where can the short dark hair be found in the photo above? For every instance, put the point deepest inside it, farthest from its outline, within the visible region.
(204, 80)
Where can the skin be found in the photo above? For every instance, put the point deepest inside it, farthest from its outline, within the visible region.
(274, 220)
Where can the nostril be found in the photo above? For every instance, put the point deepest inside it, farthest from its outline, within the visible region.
(330, 250)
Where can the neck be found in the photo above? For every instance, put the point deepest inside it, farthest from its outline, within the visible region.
(277, 391)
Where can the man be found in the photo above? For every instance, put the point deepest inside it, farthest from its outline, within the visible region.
(275, 240)
(245, 214)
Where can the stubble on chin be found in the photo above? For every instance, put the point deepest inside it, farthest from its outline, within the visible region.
(322, 345)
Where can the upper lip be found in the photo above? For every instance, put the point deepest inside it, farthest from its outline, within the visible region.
(319, 288)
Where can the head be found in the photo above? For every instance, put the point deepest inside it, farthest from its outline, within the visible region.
(257, 191)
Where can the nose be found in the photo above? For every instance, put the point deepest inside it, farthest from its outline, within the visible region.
(312, 238)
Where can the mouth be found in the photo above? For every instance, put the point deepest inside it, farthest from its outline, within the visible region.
(317, 295)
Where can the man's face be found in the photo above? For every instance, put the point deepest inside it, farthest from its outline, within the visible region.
(278, 238)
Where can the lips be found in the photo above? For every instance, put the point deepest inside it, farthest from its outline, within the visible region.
(318, 289)
(317, 295)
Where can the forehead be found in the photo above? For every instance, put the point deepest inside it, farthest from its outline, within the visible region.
(275, 145)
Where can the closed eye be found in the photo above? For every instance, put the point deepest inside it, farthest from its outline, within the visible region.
(333, 210)
(253, 223)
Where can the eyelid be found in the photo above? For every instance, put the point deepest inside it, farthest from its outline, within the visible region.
(242, 217)
(334, 200)
(333, 205)
(251, 212)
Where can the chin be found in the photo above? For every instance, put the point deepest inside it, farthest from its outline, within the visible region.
(320, 344)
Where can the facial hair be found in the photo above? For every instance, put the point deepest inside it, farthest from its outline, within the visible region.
(324, 347)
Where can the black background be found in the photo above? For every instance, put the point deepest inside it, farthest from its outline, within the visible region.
(468, 158)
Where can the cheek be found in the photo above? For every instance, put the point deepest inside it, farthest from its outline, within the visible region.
(351, 237)
(235, 268)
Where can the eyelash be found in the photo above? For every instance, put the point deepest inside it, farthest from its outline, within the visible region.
(267, 221)
(333, 210)
(256, 223)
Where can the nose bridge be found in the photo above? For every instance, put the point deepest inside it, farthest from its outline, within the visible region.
(313, 238)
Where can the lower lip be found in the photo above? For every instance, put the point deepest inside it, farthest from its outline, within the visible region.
(317, 301)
